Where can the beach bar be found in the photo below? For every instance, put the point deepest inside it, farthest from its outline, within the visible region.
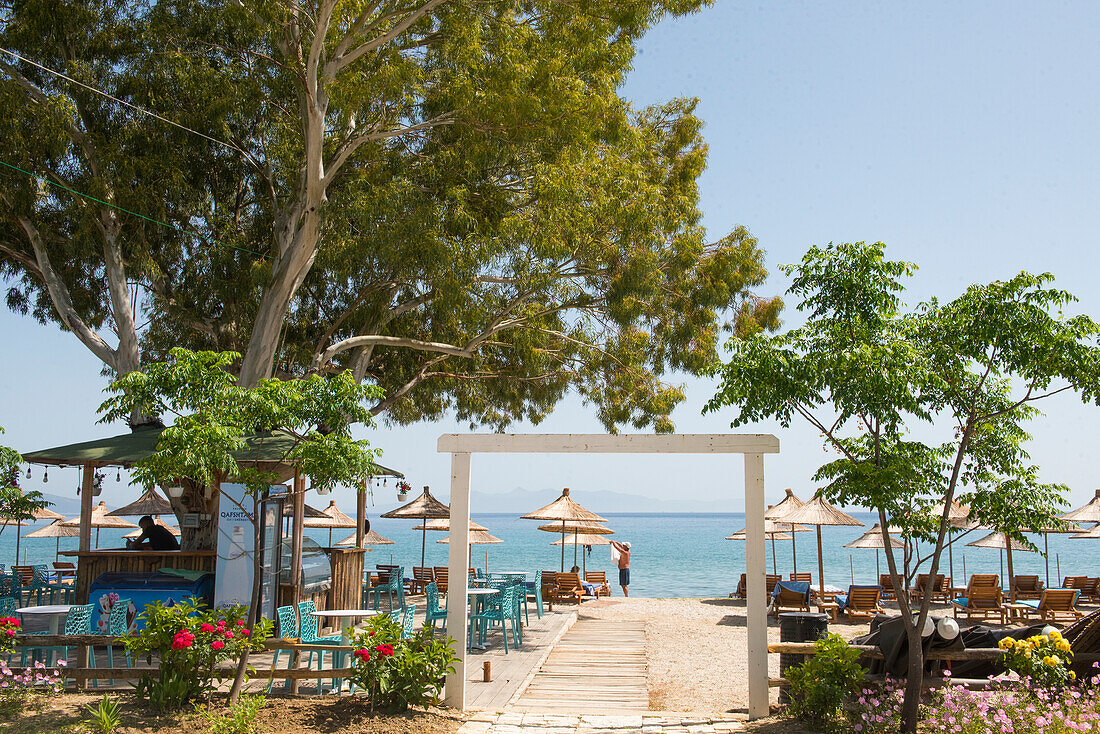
(197, 509)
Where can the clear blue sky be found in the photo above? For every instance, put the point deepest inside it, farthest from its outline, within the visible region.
(962, 135)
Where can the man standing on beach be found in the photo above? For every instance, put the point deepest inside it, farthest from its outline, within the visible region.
(624, 564)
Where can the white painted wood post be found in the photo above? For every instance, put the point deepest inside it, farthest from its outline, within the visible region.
(756, 627)
(458, 554)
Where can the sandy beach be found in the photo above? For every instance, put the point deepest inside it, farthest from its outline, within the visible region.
(696, 649)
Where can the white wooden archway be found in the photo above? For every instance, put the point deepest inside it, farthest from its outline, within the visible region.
(753, 446)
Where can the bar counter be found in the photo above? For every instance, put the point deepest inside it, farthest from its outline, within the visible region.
(90, 564)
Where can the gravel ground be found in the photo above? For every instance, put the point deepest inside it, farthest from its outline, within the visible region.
(696, 649)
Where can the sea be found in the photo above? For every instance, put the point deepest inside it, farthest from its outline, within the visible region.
(673, 555)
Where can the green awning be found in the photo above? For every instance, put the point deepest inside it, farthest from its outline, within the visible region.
(127, 449)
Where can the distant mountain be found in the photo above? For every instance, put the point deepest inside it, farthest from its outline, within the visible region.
(67, 506)
(521, 500)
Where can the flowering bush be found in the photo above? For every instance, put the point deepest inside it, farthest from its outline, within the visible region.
(821, 685)
(397, 673)
(9, 626)
(190, 643)
(34, 685)
(1008, 707)
(1042, 658)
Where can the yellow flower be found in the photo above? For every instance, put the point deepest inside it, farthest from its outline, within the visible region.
(1006, 643)
(1027, 652)
(1052, 660)
(1072, 675)
(1063, 646)
(1054, 635)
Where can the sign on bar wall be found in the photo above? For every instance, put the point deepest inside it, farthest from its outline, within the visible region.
(236, 544)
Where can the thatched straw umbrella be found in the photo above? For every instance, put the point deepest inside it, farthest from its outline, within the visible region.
(575, 527)
(156, 520)
(424, 507)
(149, 503)
(56, 529)
(773, 531)
(1088, 513)
(371, 538)
(788, 504)
(443, 524)
(565, 510)
(1001, 542)
(333, 518)
(478, 537)
(40, 514)
(101, 518)
(818, 512)
(958, 517)
(586, 539)
(872, 539)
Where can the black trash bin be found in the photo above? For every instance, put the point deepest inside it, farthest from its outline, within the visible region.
(798, 627)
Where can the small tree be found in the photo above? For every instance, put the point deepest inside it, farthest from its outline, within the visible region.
(867, 375)
(15, 506)
(214, 414)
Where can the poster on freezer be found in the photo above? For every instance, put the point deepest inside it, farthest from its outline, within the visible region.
(236, 546)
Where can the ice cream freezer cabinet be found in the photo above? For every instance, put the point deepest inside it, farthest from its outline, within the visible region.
(141, 589)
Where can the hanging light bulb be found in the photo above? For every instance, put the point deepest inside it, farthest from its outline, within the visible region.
(45, 476)
(118, 475)
(28, 471)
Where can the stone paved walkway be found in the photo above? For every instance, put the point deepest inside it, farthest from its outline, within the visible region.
(654, 722)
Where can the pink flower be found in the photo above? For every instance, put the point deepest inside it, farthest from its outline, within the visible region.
(229, 635)
(217, 644)
(205, 627)
(244, 632)
(240, 623)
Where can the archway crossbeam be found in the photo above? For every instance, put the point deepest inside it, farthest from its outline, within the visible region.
(752, 446)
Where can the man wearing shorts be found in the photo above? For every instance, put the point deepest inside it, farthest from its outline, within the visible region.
(624, 564)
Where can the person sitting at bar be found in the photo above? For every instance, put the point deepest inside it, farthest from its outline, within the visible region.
(153, 537)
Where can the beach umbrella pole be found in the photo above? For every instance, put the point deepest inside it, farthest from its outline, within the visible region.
(852, 567)
(878, 573)
(794, 551)
(1046, 556)
(951, 561)
(820, 568)
(1008, 555)
(423, 543)
(18, 529)
(563, 546)
(773, 554)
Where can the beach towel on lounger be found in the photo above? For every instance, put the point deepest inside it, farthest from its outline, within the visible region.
(798, 587)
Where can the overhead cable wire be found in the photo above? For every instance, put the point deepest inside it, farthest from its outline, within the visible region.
(122, 101)
(89, 197)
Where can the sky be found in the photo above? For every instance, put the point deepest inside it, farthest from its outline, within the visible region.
(963, 135)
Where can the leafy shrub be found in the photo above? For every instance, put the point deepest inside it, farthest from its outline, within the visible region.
(190, 644)
(1044, 659)
(240, 719)
(397, 673)
(9, 626)
(105, 717)
(820, 686)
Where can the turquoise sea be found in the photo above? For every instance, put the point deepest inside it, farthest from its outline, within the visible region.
(673, 554)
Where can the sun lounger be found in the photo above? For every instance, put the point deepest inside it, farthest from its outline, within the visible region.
(861, 602)
(887, 584)
(1026, 587)
(422, 576)
(568, 587)
(981, 601)
(599, 580)
(770, 582)
(1055, 605)
(917, 592)
(807, 577)
(791, 595)
(742, 589)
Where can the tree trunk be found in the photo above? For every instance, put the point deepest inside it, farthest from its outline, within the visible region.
(193, 501)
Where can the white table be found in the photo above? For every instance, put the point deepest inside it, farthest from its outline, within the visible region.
(54, 611)
(473, 595)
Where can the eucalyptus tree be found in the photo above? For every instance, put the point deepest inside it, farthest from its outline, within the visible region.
(874, 379)
(451, 200)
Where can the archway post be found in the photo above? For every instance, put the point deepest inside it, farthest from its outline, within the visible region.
(752, 446)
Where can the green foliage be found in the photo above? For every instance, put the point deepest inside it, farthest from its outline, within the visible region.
(105, 716)
(15, 506)
(397, 673)
(870, 377)
(240, 719)
(466, 213)
(214, 413)
(190, 643)
(1044, 659)
(820, 686)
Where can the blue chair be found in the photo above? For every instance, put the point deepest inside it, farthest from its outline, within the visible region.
(307, 631)
(395, 584)
(77, 622)
(497, 610)
(288, 630)
(407, 617)
(117, 626)
(434, 613)
(536, 591)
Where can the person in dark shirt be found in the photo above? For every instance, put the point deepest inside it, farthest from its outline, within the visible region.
(153, 537)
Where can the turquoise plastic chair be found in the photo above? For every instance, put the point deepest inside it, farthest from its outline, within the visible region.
(433, 613)
(288, 629)
(117, 626)
(307, 631)
(497, 610)
(77, 622)
(408, 616)
(537, 593)
(395, 584)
